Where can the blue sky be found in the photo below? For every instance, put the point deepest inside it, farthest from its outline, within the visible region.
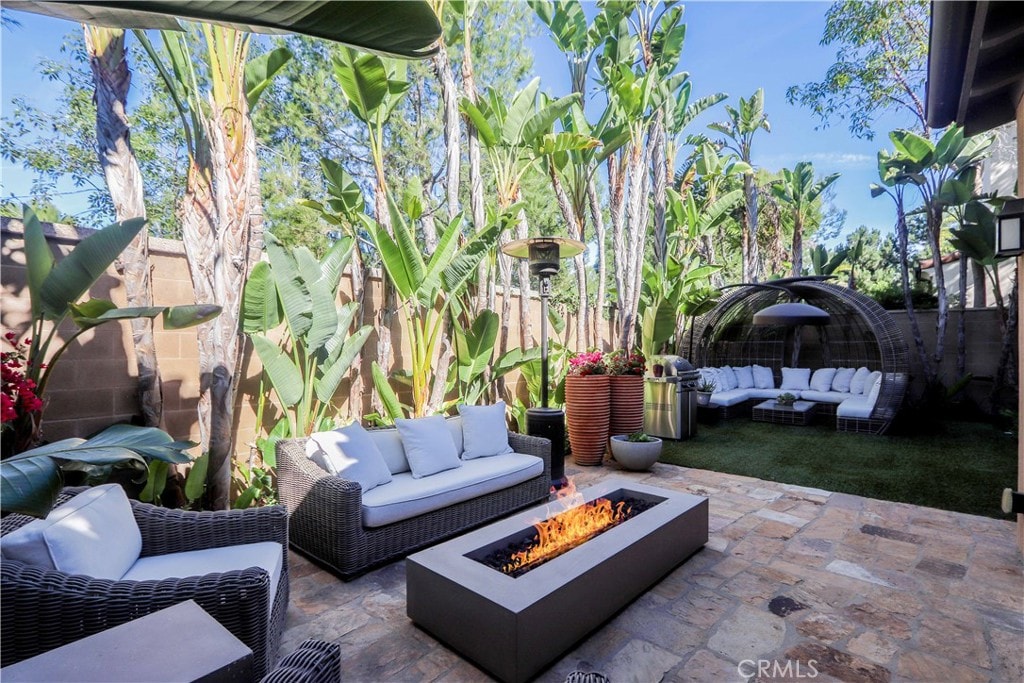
(731, 47)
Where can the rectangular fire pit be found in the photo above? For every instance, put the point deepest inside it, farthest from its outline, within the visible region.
(514, 627)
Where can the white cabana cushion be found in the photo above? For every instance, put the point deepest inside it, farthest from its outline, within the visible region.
(407, 497)
(389, 443)
(770, 393)
(744, 377)
(825, 396)
(841, 382)
(822, 378)
(266, 555)
(429, 445)
(484, 431)
(763, 377)
(859, 377)
(727, 378)
(93, 534)
(858, 406)
(873, 379)
(875, 390)
(455, 427)
(710, 375)
(731, 397)
(796, 379)
(349, 452)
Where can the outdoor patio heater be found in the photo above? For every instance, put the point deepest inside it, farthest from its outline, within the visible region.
(544, 254)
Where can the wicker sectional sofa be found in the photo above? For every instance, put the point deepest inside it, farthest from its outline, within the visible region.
(332, 522)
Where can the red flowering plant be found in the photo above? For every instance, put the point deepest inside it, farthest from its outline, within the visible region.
(19, 403)
(622, 363)
(587, 363)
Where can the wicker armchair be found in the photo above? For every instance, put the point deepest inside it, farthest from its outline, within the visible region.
(325, 512)
(314, 661)
(42, 609)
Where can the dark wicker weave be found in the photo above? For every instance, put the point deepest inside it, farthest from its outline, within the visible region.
(315, 661)
(42, 609)
(859, 333)
(326, 518)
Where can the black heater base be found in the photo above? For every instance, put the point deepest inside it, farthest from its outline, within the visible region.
(549, 423)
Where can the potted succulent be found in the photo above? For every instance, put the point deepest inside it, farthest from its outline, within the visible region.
(704, 390)
(636, 451)
(787, 399)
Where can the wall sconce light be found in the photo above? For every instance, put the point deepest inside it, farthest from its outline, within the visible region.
(1009, 226)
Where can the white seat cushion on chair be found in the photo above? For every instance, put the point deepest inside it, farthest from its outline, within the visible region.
(266, 555)
(730, 397)
(407, 497)
(429, 445)
(858, 406)
(825, 396)
(484, 431)
(770, 393)
(349, 452)
(93, 534)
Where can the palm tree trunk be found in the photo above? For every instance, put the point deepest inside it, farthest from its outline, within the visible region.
(575, 223)
(935, 226)
(978, 278)
(961, 325)
(112, 80)
(525, 324)
(617, 206)
(908, 298)
(798, 244)
(600, 234)
(453, 152)
(750, 250)
(660, 172)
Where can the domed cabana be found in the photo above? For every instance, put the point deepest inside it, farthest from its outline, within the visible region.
(857, 333)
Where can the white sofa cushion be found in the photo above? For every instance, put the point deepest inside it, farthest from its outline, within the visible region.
(796, 379)
(349, 452)
(841, 382)
(858, 406)
(455, 427)
(873, 379)
(825, 396)
(744, 377)
(859, 377)
(484, 431)
(93, 534)
(763, 377)
(710, 375)
(727, 378)
(770, 393)
(731, 397)
(389, 443)
(407, 497)
(876, 389)
(429, 445)
(822, 378)
(266, 555)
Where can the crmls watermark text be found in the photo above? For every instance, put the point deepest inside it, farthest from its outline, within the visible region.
(771, 668)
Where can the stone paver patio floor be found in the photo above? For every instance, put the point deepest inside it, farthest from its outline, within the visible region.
(866, 589)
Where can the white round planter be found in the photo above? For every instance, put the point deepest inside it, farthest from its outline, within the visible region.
(635, 455)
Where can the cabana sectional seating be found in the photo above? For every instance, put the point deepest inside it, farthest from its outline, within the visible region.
(849, 394)
(357, 498)
(99, 560)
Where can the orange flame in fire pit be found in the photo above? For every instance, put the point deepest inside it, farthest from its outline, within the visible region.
(565, 530)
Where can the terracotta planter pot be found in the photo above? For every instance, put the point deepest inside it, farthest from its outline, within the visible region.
(587, 408)
(627, 404)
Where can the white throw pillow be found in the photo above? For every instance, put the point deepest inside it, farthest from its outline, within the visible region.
(711, 375)
(869, 383)
(744, 377)
(796, 379)
(763, 377)
(859, 378)
(728, 377)
(875, 390)
(350, 453)
(841, 382)
(455, 427)
(484, 431)
(389, 443)
(429, 445)
(822, 378)
(93, 534)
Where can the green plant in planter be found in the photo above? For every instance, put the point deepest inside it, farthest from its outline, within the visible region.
(706, 387)
(786, 399)
(638, 437)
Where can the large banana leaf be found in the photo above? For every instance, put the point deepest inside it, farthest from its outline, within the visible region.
(402, 28)
(261, 309)
(38, 258)
(284, 376)
(295, 298)
(475, 346)
(364, 82)
(392, 406)
(72, 277)
(30, 481)
(260, 71)
(328, 383)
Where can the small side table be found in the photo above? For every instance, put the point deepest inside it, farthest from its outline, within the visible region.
(180, 643)
(800, 413)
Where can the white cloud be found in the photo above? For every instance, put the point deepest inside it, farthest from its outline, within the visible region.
(824, 160)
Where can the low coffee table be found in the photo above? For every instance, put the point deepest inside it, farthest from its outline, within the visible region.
(800, 413)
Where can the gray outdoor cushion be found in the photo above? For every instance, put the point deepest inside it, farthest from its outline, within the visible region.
(770, 393)
(404, 496)
(858, 406)
(825, 396)
(731, 397)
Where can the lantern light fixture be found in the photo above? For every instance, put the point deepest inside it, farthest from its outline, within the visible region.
(1010, 229)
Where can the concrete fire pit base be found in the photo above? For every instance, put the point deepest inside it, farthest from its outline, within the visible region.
(514, 627)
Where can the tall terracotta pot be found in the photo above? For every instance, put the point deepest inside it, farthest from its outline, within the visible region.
(627, 404)
(587, 409)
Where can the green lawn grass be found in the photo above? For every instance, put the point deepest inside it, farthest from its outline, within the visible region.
(961, 466)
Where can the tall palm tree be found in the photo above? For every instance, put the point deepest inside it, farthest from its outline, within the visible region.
(798, 190)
